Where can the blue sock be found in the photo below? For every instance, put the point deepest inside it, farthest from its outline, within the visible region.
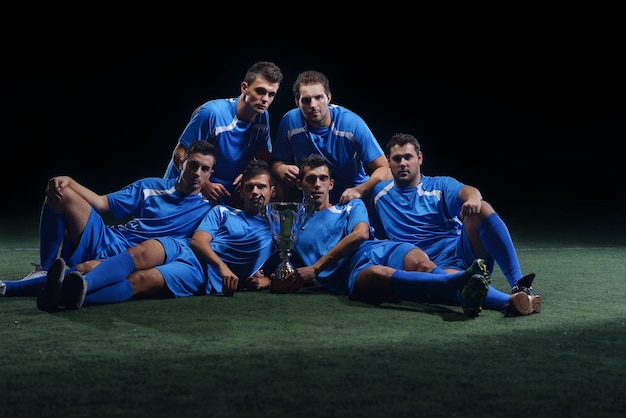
(496, 300)
(498, 243)
(111, 271)
(51, 235)
(416, 285)
(25, 287)
(116, 293)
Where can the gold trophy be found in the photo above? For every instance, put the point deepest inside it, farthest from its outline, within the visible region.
(285, 219)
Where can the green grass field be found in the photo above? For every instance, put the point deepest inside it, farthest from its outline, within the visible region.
(319, 355)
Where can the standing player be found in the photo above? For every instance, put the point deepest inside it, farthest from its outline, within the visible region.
(239, 128)
(338, 134)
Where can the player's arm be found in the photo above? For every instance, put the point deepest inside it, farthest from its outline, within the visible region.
(56, 185)
(201, 244)
(344, 248)
(178, 156)
(380, 171)
(285, 172)
(472, 200)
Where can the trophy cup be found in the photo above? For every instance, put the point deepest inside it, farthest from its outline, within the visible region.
(285, 219)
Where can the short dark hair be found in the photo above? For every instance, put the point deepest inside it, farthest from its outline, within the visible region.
(266, 70)
(200, 146)
(255, 168)
(310, 77)
(314, 161)
(402, 139)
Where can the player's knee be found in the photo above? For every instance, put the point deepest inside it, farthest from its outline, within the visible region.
(418, 260)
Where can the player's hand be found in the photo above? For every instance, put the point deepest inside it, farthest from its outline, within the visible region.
(289, 173)
(54, 190)
(215, 191)
(300, 277)
(470, 207)
(349, 194)
(237, 183)
(257, 282)
(230, 282)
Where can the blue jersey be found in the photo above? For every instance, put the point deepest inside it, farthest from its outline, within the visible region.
(323, 232)
(242, 241)
(348, 144)
(425, 215)
(236, 142)
(157, 209)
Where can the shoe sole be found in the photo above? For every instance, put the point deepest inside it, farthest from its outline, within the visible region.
(473, 295)
(520, 303)
(49, 297)
(74, 290)
(535, 303)
(479, 266)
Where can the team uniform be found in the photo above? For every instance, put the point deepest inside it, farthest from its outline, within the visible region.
(330, 226)
(335, 222)
(236, 142)
(425, 216)
(242, 241)
(348, 144)
(157, 208)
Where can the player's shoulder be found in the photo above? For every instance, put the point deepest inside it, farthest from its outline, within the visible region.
(216, 105)
(383, 184)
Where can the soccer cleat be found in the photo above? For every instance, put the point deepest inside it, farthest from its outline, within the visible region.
(49, 297)
(535, 303)
(73, 291)
(473, 295)
(524, 285)
(479, 266)
(38, 271)
(520, 304)
(3, 288)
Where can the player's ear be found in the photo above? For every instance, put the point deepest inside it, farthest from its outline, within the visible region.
(299, 184)
(273, 191)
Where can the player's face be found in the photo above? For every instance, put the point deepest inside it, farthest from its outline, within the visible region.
(260, 94)
(405, 163)
(254, 190)
(196, 172)
(316, 182)
(313, 104)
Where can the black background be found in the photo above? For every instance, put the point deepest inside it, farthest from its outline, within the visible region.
(536, 123)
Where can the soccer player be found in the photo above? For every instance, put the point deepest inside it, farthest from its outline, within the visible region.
(336, 248)
(71, 216)
(447, 219)
(239, 128)
(338, 134)
(225, 254)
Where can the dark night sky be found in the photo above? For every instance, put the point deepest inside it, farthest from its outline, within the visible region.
(533, 124)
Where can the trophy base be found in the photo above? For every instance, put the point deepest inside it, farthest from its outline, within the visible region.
(279, 286)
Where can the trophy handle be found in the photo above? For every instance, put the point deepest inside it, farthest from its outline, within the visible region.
(308, 206)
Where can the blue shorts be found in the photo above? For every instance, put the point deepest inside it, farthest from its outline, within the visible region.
(378, 253)
(97, 241)
(459, 256)
(184, 274)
